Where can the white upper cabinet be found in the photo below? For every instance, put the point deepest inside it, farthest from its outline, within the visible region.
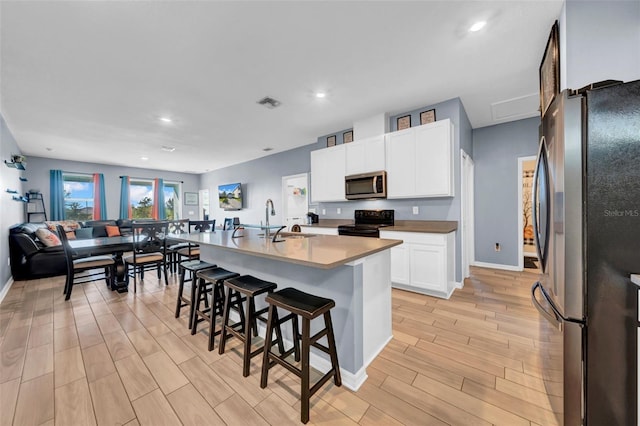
(327, 174)
(420, 161)
(365, 155)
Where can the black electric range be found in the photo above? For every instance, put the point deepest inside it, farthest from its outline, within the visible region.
(368, 223)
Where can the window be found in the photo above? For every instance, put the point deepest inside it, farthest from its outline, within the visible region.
(78, 196)
(172, 202)
(142, 200)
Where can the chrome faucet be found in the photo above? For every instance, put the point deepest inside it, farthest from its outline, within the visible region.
(266, 214)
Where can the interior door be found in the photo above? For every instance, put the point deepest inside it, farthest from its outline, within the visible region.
(295, 199)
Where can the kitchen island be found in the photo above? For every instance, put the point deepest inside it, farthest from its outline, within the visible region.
(354, 272)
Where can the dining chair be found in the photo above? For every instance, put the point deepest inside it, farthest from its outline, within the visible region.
(192, 251)
(175, 227)
(148, 251)
(75, 265)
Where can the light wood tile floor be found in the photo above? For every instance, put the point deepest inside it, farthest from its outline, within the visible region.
(107, 358)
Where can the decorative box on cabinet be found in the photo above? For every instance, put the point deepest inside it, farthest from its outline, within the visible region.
(327, 174)
(365, 155)
(424, 263)
(419, 161)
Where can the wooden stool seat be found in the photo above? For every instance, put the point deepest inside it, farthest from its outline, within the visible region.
(245, 287)
(210, 282)
(308, 307)
(192, 266)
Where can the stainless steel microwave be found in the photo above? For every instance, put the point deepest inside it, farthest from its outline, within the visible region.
(366, 185)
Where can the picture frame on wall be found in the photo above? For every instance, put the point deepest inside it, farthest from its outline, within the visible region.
(550, 70)
(331, 140)
(428, 116)
(190, 198)
(403, 122)
(347, 136)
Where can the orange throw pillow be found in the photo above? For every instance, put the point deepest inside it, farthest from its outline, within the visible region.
(112, 231)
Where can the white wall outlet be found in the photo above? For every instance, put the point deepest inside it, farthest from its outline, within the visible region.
(338, 210)
(497, 246)
(8, 261)
(416, 210)
(324, 211)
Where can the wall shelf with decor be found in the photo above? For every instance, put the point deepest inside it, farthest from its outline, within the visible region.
(17, 162)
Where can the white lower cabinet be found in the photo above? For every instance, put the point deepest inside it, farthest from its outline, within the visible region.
(317, 230)
(424, 263)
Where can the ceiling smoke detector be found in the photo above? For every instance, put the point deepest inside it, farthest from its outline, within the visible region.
(269, 102)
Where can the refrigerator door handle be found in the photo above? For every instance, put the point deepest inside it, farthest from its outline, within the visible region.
(554, 317)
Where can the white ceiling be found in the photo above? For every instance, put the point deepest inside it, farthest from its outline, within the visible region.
(88, 81)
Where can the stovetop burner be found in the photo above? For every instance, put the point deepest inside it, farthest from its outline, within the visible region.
(368, 223)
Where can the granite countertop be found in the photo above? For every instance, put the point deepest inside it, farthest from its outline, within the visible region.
(318, 251)
(635, 278)
(427, 226)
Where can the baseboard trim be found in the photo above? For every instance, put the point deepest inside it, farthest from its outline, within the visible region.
(6, 288)
(498, 266)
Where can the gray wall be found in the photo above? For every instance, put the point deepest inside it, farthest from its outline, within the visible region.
(11, 212)
(38, 174)
(599, 40)
(496, 150)
(261, 179)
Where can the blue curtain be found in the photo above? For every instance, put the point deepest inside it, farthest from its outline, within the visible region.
(57, 195)
(99, 199)
(158, 204)
(125, 205)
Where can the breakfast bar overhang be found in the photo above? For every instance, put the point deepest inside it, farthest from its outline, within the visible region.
(353, 271)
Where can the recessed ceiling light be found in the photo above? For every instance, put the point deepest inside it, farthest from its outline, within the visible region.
(477, 26)
(144, 158)
(166, 119)
(321, 95)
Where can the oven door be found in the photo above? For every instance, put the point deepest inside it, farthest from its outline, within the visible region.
(358, 232)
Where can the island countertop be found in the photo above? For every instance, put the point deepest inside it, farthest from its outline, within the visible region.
(318, 251)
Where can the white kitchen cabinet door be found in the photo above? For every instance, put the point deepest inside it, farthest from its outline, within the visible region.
(318, 230)
(420, 161)
(401, 164)
(428, 267)
(434, 165)
(327, 174)
(365, 155)
(400, 264)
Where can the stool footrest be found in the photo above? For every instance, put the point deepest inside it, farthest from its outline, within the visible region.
(313, 339)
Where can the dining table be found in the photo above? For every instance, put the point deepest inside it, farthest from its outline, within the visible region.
(115, 246)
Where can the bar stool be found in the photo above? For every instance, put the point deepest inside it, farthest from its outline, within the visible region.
(210, 282)
(308, 307)
(246, 287)
(192, 266)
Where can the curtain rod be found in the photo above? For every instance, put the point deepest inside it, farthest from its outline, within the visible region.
(133, 177)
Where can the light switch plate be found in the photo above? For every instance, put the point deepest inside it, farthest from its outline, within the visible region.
(416, 210)
(338, 210)
(324, 211)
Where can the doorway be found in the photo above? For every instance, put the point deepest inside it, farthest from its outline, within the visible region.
(467, 213)
(527, 256)
(295, 199)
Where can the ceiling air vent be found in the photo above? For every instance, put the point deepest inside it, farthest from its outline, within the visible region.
(269, 102)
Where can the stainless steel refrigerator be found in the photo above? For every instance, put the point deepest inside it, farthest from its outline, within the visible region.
(587, 230)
